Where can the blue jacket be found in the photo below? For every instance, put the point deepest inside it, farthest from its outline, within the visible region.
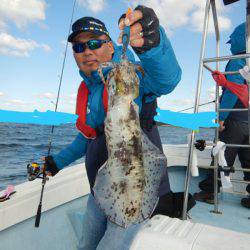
(228, 99)
(162, 74)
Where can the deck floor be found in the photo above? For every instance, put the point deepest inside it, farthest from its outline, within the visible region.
(234, 216)
(56, 231)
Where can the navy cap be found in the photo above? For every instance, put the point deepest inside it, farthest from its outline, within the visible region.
(88, 24)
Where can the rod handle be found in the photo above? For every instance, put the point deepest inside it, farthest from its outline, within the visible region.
(38, 215)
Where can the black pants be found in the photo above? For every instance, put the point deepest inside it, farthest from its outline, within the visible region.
(235, 132)
(97, 155)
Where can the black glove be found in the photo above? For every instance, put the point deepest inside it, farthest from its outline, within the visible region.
(50, 165)
(150, 28)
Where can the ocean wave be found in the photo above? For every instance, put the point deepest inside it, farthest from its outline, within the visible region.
(13, 177)
(10, 145)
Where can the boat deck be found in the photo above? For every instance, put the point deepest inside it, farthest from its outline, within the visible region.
(234, 216)
(66, 195)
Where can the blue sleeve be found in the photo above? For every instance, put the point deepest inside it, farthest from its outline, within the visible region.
(162, 71)
(228, 99)
(71, 153)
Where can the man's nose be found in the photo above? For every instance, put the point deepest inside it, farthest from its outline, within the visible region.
(87, 51)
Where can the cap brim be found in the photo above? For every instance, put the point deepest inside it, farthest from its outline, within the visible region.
(74, 34)
(229, 41)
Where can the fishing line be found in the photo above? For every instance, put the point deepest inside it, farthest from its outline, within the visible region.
(39, 209)
(206, 103)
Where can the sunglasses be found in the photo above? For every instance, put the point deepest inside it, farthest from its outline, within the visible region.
(91, 44)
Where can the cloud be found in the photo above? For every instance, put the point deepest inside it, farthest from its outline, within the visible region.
(197, 17)
(177, 13)
(66, 102)
(17, 101)
(17, 105)
(182, 102)
(3, 25)
(167, 102)
(12, 46)
(1, 94)
(47, 95)
(45, 47)
(70, 99)
(94, 6)
(210, 93)
(21, 12)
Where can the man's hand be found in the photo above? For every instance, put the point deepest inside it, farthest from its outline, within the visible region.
(50, 166)
(44, 166)
(144, 28)
(219, 78)
(221, 127)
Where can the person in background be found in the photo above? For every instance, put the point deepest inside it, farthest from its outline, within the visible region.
(233, 125)
(92, 46)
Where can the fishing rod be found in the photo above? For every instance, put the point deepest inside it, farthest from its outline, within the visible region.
(206, 103)
(34, 170)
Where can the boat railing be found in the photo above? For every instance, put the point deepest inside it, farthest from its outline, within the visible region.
(211, 4)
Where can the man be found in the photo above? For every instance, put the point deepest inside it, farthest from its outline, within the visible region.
(92, 46)
(233, 125)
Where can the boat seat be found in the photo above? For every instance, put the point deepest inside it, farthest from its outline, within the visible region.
(165, 233)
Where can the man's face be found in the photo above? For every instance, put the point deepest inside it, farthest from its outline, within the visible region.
(89, 60)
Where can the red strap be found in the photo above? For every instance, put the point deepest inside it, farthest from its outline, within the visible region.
(105, 99)
(240, 90)
(81, 110)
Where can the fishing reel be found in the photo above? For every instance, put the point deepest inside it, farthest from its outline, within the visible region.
(34, 171)
(200, 144)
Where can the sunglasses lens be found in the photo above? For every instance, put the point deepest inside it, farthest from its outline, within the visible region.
(94, 44)
(79, 47)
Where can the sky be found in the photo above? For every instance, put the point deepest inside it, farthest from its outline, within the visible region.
(33, 36)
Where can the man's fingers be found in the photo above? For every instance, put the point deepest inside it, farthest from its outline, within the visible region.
(48, 173)
(121, 24)
(137, 42)
(133, 17)
(136, 36)
(135, 29)
(135, 32)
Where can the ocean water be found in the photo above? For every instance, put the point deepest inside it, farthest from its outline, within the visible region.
(21, 144)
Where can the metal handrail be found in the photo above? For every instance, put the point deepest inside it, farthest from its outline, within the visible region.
(224, 168)
(231, 145)
(226, 58)
(224, 73)
(202, 64)
(240, 181)
(233, 110)
(217, 106)
(196, 106)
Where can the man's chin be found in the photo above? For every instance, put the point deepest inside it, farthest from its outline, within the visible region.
(91, 66)
(89, 70)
